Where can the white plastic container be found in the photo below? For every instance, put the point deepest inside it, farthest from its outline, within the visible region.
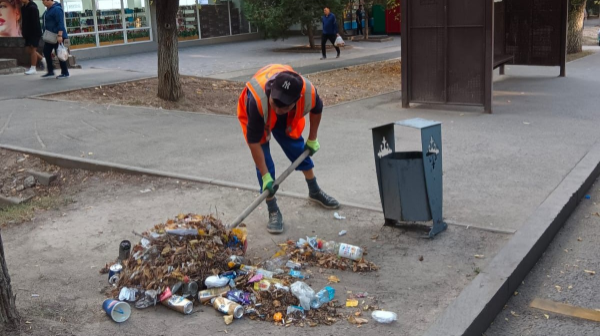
(384, 316)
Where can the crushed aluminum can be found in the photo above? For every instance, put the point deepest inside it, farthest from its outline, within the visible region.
(150, 299)
(128, 294)
(113, 274)
(190, 289)
(208, 294)
(180, 304)
(228, 307)
(124, 250)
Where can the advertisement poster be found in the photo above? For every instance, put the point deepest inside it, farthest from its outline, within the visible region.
(10, 18)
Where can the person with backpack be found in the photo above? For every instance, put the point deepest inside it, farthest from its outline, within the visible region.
(32, 32)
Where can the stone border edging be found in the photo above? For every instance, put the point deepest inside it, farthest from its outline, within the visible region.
(96, 165)
(472, 312)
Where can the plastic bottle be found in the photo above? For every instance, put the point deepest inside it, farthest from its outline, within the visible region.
(323, 296)
(384, 316)
(276, 263)
(293, 265)
(294, 309)
(304, 293)
(343, 250)
(266, 274)
(298, 274)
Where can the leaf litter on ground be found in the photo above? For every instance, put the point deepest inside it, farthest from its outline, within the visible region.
(192, 247)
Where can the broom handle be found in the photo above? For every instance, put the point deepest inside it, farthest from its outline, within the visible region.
(263, 196)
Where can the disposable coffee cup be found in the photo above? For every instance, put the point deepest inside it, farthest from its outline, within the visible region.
(118, 311)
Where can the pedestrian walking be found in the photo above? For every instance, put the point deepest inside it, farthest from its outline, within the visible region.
(55, 34)
(10, 15)
(330, 32)
(32, 32)
(360, 14)
(275, 102)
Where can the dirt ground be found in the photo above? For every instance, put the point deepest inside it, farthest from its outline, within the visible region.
(54, 260)
(590, 36)
(13, 172)
(219, 96)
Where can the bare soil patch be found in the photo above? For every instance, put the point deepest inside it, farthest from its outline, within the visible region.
(54, 261)
(201, 95)
(352, 83)
(590, 36)
(14, 169)
(220, 96)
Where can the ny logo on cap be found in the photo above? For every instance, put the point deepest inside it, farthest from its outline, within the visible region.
(286, 85)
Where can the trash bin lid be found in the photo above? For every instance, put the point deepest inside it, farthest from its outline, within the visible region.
(418, 123)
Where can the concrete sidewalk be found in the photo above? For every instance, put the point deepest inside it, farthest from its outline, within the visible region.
(241, 60)
(21, 86)
(217, 61)
(497, 168)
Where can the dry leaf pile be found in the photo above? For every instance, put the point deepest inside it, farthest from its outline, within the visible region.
(308, 255)
(193, 247)
(162, 259)
(271, 302)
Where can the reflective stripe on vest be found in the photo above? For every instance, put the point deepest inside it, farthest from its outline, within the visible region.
(308, 97)
(262, 96)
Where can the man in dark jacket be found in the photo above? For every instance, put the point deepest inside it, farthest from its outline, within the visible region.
(54, 21)
(359, 18)
(32, 32)
(330, 32)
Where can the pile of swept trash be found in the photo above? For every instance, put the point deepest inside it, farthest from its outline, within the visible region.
(194, 260)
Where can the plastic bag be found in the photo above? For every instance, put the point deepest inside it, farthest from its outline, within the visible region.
(339, 42)
(215, 281)
(62, 53)
(384, 316)
(304, 293)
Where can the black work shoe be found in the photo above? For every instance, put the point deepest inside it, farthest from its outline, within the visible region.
(275, 222)
(324, 200)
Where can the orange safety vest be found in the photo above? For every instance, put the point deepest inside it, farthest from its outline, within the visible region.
(256, 87)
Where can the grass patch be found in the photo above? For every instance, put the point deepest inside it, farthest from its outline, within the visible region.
(26, 211)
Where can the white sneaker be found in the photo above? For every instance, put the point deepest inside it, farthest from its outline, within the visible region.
(31, 71)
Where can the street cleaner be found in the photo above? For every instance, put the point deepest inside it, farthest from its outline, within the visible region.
(275, 102)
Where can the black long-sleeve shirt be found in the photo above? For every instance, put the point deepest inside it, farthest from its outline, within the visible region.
(31, 27)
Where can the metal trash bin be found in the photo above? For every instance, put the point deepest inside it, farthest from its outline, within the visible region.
(410, 183)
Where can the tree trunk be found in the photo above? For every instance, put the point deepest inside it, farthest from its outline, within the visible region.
(9, 317)
(575, 27)
(311, 35)
(169, 86)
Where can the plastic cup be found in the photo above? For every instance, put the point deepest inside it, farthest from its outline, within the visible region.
(118, 311)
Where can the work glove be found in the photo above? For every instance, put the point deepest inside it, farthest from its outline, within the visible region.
(268, 184)
(313, 146)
